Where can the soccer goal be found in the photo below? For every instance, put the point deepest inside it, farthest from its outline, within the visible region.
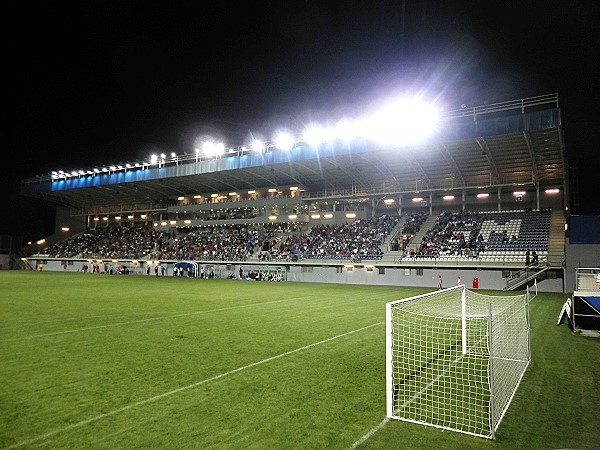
(454, 358)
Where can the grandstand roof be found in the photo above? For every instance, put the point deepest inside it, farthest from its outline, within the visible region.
(498, 145)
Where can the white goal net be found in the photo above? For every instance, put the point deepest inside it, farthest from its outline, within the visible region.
(454, 358)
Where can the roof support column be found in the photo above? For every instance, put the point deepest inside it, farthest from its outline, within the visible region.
(499, 199)
(399, 205)
(431, 203)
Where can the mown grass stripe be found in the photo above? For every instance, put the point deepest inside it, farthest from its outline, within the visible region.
(183, 388)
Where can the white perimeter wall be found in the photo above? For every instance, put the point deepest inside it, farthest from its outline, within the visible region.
(393, 276)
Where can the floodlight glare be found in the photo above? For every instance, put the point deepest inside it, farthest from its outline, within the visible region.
(257, 145)
(153, 159)
(347, 130)
(314, 135)
(403, 122)
(284, 141)
(208, 148)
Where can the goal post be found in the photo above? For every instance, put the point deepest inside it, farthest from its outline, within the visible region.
(455, 357)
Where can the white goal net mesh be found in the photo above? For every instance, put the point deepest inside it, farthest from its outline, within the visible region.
(455, 358)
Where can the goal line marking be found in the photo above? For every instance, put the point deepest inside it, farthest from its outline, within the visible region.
(370, 433)
(181, 389)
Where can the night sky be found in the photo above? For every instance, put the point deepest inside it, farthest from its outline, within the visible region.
(94, 82)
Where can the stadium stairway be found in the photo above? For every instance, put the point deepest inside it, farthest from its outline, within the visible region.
(395, 257)
(556, 240)
(427, 225)
(392, 256)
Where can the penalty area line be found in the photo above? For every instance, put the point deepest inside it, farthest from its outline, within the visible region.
(181, 389)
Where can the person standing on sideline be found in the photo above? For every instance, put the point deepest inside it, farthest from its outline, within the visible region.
(440, 282)
(458, 282)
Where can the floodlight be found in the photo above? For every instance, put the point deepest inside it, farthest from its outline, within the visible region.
(257, 145)
(284, 141)
(315, 135)
(483, 195)
(552, 191)
(405, 121)
(74, 173)
(347, 130)
(448, 197)
(519, 193)
(163, 156)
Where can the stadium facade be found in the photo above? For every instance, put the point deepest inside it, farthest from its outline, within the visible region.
(505, 163)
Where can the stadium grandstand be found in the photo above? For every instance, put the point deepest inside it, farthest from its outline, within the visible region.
(484, 197)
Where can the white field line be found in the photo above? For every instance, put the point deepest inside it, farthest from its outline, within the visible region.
(181, 389)
(152, 319)
(370, 433)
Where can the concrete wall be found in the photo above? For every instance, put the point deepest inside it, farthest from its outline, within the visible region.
(487, 279)
(391, 276)
(580, 255)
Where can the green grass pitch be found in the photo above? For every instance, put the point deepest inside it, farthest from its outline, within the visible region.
(102, 362)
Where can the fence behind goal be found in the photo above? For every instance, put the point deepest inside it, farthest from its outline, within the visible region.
(454, 358)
